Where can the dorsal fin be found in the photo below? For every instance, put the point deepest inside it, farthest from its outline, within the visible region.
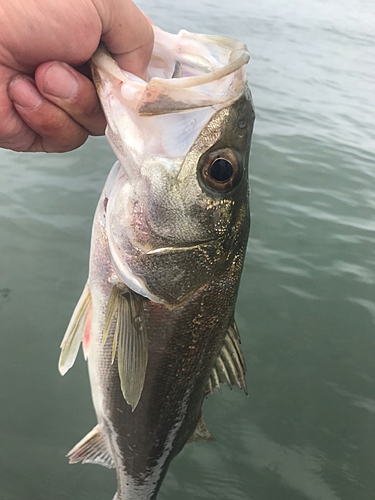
(126, 308)
(230, 366)
(77, 330)
(92, 449)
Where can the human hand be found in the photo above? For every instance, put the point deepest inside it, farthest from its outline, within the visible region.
(46, 104)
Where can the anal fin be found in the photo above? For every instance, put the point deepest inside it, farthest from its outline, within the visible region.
(76, 331)
(92, 449)
(230, 366)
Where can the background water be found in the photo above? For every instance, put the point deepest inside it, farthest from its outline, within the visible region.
(306, 308)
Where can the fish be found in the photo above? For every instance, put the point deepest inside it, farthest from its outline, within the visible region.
(156, 316)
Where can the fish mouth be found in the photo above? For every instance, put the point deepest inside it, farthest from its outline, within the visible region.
(172, 68)
(180, 248)
(190, 77)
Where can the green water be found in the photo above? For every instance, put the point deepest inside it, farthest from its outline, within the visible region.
(306, 308)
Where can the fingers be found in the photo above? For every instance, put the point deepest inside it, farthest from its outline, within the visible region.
(46, 127)
(55, 115)
(127, 33)
(56, 111)
(13, 131)
(72, 92)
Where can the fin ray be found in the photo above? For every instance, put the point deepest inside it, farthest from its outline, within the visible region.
(230, 366)
(129, 340)
(132, 347)
(92, 449)
(201, 433)
(222, 371)
(111, 311)
(215, 379)
(75, 332)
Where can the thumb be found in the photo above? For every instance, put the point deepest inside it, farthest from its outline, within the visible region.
(128, 34)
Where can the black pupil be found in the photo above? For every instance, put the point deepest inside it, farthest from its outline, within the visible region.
(221, 170)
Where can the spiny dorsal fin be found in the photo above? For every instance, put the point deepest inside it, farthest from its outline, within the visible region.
(130, 340)
(201, 433)
(92, 449)
(230, 366)
(75, 332)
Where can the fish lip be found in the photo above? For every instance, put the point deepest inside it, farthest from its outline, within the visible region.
(180, 248)
(239, 56)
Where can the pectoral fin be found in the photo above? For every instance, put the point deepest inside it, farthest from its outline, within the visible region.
(78, 330)
(129, 340)
(92, 449)
(230, 366)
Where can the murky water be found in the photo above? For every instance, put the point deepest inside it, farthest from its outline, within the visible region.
(306, 309)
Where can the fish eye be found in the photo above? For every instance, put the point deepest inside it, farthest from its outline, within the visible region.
(220, 170)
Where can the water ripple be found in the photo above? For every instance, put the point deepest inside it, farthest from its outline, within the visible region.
(300, 468)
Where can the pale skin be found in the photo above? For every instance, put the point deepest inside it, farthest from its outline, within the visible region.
(45, 103)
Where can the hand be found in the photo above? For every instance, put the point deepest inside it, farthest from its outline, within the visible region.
(46, 104)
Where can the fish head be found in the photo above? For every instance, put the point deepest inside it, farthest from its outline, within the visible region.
(177, 214)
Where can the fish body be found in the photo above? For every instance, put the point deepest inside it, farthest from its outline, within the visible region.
(156, 318)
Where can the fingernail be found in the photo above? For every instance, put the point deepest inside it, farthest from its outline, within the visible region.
(24, 93)
(60, 81)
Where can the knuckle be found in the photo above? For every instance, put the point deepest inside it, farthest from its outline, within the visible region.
(18, 139)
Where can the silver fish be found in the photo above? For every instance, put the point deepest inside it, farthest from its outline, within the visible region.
(156, 317)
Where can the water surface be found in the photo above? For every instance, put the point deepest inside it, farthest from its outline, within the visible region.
(306, 308)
